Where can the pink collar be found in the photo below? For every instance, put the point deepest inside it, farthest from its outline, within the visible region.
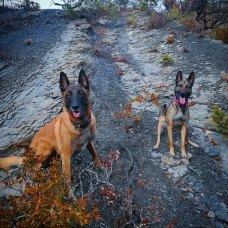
(178, 103)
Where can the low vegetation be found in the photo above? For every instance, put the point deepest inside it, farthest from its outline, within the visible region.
(200, 16)
(166, 59)
(220, 118)
(132, 19)
(45, 199)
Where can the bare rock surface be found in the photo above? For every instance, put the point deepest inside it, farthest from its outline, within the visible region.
(191, 191)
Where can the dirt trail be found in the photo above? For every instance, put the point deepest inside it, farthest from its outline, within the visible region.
(192, 192)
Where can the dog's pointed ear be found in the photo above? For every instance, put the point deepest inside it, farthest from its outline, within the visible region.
(83, 80)
(191, 78)
(63, 81)
(179, 76)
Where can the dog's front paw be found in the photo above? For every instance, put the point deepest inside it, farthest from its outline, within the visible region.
(156, 146)
(172, 152)
(183, 154)
(98, 163)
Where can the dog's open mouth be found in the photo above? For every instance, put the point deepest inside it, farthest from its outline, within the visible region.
(182, 100)
(76, 114)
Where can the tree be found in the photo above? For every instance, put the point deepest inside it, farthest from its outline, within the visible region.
(212, 13)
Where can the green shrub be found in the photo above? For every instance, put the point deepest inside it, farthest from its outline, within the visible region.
(166, 59)
(111, 9)
(131, 19)
(175, 12)
(220, 118)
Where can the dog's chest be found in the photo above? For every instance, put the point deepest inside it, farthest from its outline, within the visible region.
(180, 117)
(80, 141)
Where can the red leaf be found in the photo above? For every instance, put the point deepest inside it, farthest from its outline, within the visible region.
(213, 142)
(158, 220)
(156, 102)
(146, 220)
(97, 52)
(174, 222)
(191, 104)
(121, 73)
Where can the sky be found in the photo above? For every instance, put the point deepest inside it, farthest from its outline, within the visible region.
(46, 4)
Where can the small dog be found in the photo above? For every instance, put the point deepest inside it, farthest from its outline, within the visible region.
(177, 113)
(69, 133)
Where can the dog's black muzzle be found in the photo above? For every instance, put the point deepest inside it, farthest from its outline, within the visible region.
(183, 93)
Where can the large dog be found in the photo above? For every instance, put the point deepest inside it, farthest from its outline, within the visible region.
(177, 113)
(69, 133)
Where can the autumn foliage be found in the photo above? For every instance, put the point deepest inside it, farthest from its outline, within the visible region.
(45, 199)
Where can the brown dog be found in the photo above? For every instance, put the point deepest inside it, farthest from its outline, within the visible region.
(69, 133)
(177, 113)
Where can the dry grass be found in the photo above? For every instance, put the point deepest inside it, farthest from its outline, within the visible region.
(220, 33)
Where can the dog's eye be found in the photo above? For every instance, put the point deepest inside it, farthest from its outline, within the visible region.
(69, 93)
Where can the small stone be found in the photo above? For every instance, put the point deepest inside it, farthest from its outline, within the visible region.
(184, 189)
(164, 159)
(155, 155)
(3, 174)
(222, 215)
(206, 150)
(174, 162)
(211, 214)
(213, 152)
(189, 156)
(170, 170)
(189, 196)
(185, 161)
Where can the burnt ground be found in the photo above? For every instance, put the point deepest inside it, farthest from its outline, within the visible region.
(152, 196)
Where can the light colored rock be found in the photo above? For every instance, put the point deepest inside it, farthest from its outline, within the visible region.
(185, 161)
(211, 214)
(173, 161)
(164, 159)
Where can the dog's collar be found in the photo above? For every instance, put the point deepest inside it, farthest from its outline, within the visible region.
(83, 124)
(178, 103)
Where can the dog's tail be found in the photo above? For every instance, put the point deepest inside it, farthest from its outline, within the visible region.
(5, 163)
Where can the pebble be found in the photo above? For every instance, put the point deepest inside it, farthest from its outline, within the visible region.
(185, 161)
(155, 155)
(213, 151)
(165, 159)
(211, 214)
(173, 161)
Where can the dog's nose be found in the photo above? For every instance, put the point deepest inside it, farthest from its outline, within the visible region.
(182, 93)
(75, 108)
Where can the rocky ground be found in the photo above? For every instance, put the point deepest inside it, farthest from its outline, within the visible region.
(120, 60)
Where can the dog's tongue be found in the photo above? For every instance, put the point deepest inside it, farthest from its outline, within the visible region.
(76, 114)
(182, 100)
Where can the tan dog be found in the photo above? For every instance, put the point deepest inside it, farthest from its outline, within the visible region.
(69, 133)
(177, 113)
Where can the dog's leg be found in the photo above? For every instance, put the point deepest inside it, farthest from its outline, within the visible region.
(189, 141)
(170, 136)
(183, 139)
(43, 150)
(66, 165)
(91, 149)
(159, 130)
